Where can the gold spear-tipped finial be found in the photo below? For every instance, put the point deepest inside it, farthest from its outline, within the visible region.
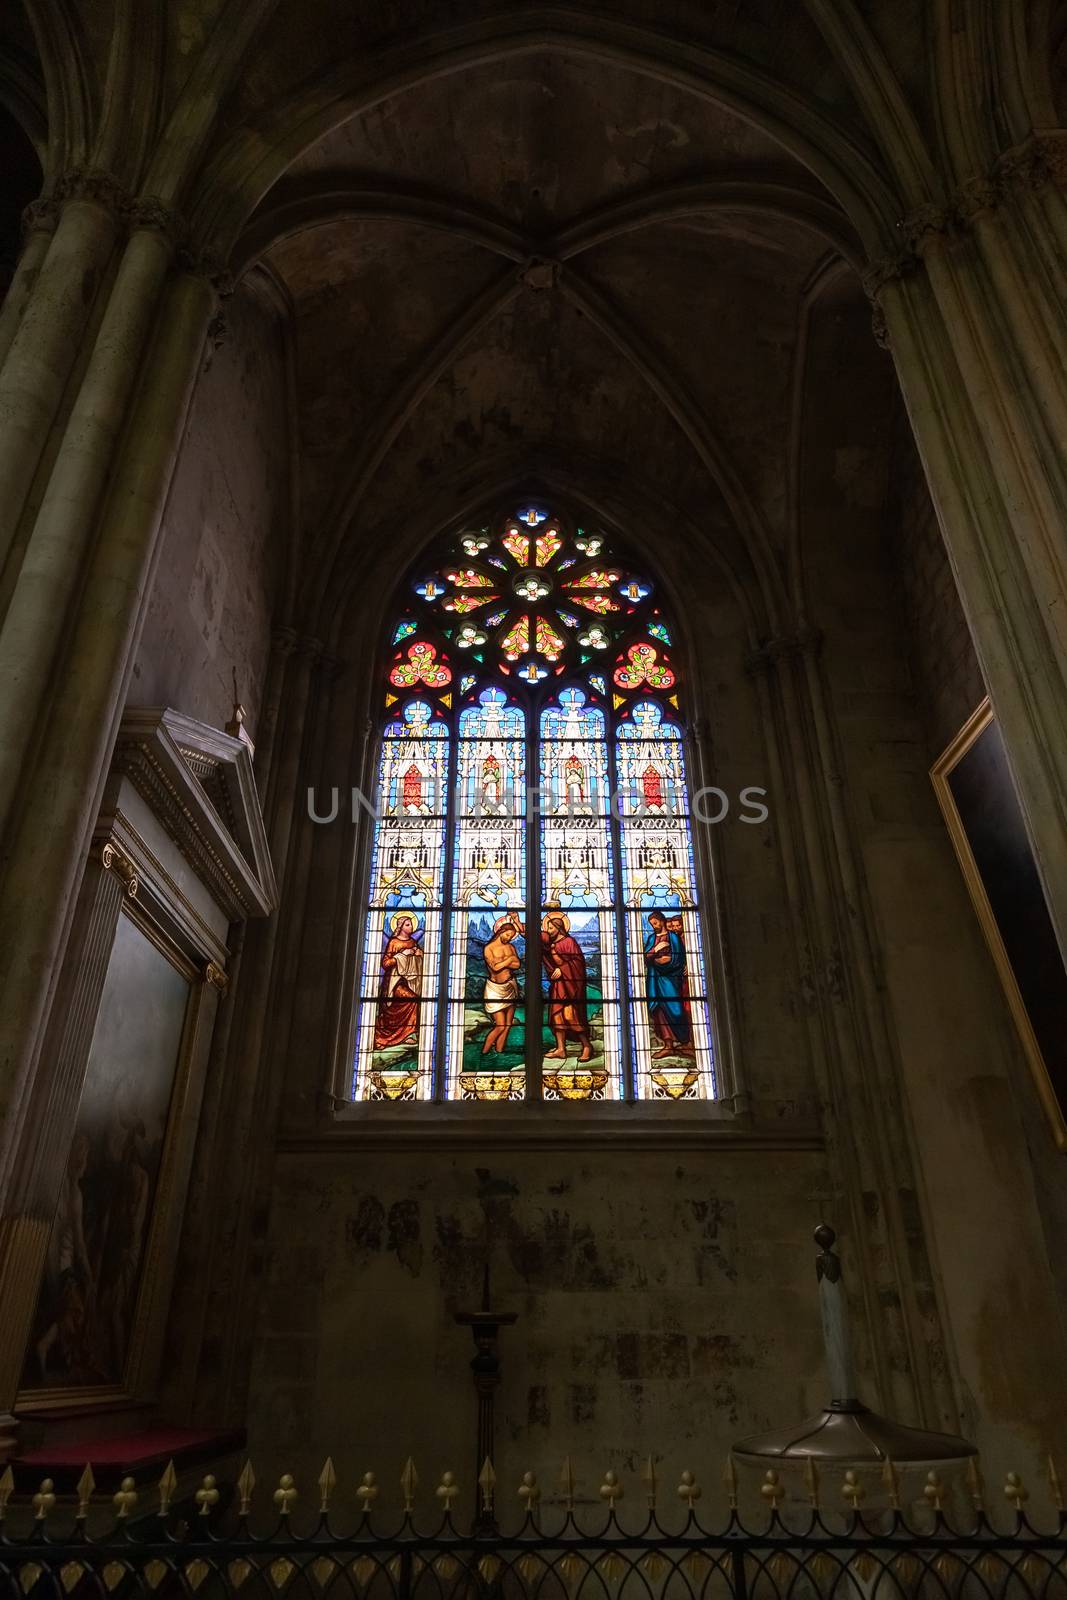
(207, 1496)
(167, 1485)
(529, 1493)
(1054, 1485)
(447, 1490)
(651, 1482)
(7, 1489)
(125, 1498)
(811, 1478)
(43, 1500)
(933, 1490)
(689, 1489)
(975, 1484)
(566, 1483)
(853, 1490)
(367, 1492)
(1015, 1490)
(487, 1483)
(86, 1485)
(245, 1484)
(771, 1488)
(327, 1484)
(611, 1489)
(286, 1494)
(892, 1485)
(729, 1478)
(409, 1482)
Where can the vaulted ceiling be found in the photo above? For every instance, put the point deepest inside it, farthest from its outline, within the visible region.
(546, 260)
(520, 240)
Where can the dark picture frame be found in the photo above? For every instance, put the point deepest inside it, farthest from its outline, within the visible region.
(974, 787)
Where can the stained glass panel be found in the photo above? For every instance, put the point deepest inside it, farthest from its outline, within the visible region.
(545, 547)
(600, 905)
(487, 1008)
(581, 1057)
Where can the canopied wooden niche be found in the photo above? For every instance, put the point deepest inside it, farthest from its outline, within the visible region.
(179, 857)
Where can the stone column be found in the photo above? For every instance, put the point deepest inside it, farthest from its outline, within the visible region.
(974, 315)
(65, 782)
(45, 345)
(33, 627)
(39, 224)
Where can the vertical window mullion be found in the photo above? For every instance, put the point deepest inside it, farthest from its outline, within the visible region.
(622, 949)
(534, 999)
(448, 900)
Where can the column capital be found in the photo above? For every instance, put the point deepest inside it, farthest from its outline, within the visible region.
(112, 859)
(786, 647)
(95, 184)
(1038, 161)
(40, 216)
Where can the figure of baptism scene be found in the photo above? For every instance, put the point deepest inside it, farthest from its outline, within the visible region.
(533, 676)
(533, 800)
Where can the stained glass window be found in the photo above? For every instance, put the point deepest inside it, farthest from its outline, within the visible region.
(533, 924)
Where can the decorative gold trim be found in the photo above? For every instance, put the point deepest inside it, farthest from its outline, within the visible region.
(964, 740)
(157, 878)
(112, 859)
(216, 976)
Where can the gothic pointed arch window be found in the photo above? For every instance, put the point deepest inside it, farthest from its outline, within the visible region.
(533, 924)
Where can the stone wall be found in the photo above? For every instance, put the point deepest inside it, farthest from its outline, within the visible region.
(665, 1305)
(214, 590)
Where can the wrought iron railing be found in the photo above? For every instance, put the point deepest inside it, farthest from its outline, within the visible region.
(820, 1539)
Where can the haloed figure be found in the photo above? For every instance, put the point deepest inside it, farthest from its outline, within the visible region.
(397, 1021)
(501, 994)
(565, 965)
(666, 985)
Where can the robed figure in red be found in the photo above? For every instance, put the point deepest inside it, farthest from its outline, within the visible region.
(397, 1021)
(565, 965)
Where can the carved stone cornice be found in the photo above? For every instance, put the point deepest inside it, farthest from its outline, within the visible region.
(199, 784)
(784, 648)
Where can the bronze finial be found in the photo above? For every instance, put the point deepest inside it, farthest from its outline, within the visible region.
(86, 1485)
(207, 1496)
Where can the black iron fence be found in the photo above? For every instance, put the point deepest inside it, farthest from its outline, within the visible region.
(819, 1539)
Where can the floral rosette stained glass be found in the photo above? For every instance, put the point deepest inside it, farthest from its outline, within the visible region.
(533, 919)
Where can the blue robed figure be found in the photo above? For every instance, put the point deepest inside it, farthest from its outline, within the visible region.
(666, 985)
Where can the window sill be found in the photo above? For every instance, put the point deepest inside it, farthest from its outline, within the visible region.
(552, 1125)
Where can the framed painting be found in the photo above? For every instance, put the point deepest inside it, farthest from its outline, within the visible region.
(89, 1325)
(974, 787)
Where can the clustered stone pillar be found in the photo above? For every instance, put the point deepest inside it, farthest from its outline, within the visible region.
(104, 302)
(974, 314)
